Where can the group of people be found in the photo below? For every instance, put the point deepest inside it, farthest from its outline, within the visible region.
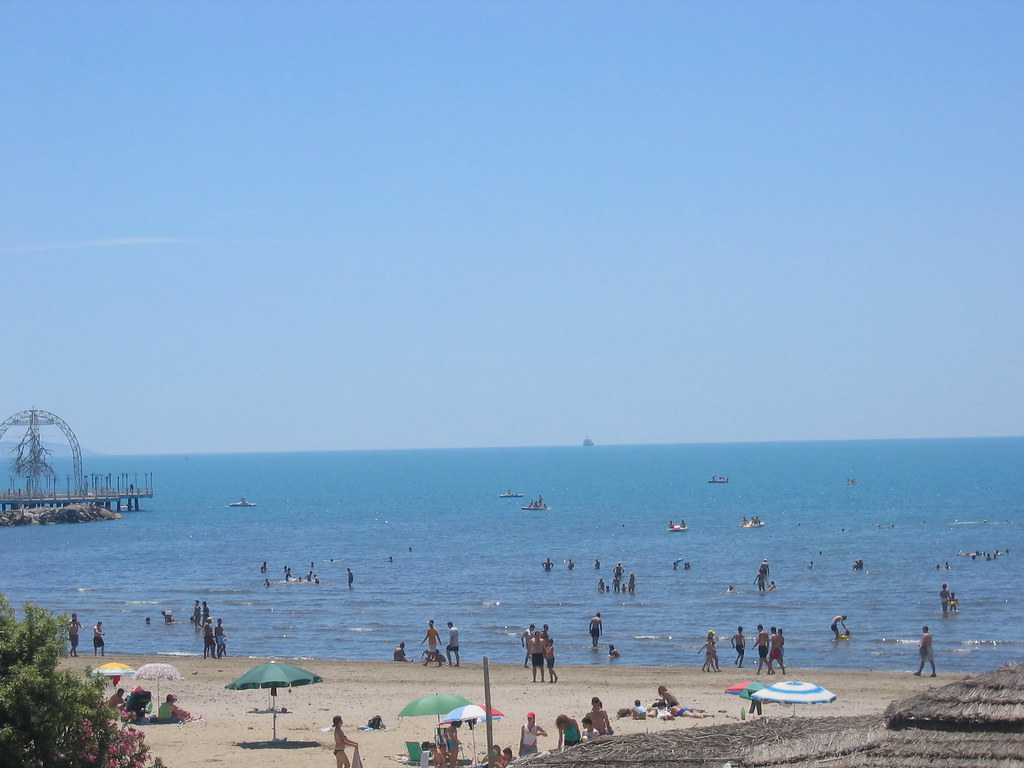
(75, 627)
(215, 641)
(137, 703)
(432, 654)
(770, 649)
(540, 652)
(950, 604)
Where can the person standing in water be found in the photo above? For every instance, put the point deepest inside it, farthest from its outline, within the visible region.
(596, 629)
(835, 626)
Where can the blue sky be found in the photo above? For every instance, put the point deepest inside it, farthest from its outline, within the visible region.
(313, 226)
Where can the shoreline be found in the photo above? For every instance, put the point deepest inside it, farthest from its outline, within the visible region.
(235, 722)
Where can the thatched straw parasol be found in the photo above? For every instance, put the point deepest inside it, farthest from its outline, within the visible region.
(990, 702)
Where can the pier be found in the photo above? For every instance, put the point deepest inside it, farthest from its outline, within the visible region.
(116, 499)
(114, 492)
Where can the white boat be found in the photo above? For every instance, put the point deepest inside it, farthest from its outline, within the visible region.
(681, 527)
(755, 523)
(510, 495)
(718, 479)
(241, 503)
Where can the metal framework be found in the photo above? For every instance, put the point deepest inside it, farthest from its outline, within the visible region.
(33, 419)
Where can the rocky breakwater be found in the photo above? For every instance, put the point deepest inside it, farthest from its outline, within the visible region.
(74, 513)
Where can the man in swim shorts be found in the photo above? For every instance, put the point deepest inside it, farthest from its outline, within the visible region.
(453, 644)
(924, 647)
(431, 637)
(762, 647)
(739, 643)
(537, 655)
(835, 626)
(596, 629)
(74, 627)
(775, 654)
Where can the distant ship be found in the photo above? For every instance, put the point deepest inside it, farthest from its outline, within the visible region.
(587, 442)
(242, 503)
(718, 479)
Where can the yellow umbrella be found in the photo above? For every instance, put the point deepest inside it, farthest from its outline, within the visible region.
(115, 670)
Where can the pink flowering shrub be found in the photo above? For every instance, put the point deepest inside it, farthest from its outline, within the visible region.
(51, 718)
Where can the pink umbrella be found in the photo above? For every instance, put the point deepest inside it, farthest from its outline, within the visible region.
(158, 672)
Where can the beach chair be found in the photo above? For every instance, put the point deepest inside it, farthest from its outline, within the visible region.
(415, 751)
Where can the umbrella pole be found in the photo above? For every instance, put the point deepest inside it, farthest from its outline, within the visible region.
(274, 708)
(487, 709)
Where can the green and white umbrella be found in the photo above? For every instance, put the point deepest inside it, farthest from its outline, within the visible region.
(274, 675)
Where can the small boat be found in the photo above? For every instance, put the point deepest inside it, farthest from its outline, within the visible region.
(718, 479)
(587, 442)
(752, 523)
(851, 481)
(537, 505)
(510, 495)
(242, 503)
(680, 527)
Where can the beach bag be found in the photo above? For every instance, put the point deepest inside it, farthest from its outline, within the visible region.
(375, 722)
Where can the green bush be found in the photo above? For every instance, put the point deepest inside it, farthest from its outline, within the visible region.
(51, 718)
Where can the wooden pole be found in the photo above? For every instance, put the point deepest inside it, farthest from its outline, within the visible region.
(487, 707)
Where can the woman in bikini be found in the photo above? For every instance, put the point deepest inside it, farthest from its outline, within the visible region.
(340, 742)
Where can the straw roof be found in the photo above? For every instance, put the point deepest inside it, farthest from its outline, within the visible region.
(973, 723)
(993, 702)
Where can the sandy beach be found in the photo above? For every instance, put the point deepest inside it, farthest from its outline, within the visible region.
(236, 726)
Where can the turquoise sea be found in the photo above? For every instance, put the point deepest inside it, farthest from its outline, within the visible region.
(462, 554)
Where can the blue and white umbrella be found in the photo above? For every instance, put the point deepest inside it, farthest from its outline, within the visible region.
(795, 692)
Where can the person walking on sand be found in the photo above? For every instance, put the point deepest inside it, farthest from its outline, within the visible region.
(98, 645)
(775, 653)
(710, 653)
(74, 628)
(431, 637)
(596, 629)
(739, 643)
(453, 644)
(340, 742)
(924, 648)
(835, 626)
(762, 647)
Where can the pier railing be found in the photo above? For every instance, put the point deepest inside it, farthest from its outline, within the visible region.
(111, 498)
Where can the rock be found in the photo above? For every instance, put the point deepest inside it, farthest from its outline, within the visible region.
(74, 513)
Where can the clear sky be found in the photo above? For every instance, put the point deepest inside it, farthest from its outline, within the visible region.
(276, 226)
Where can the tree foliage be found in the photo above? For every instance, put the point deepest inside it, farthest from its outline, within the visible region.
(52, 718)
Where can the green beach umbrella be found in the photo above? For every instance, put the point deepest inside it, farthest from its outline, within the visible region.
(438, 704)
(273, 676)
